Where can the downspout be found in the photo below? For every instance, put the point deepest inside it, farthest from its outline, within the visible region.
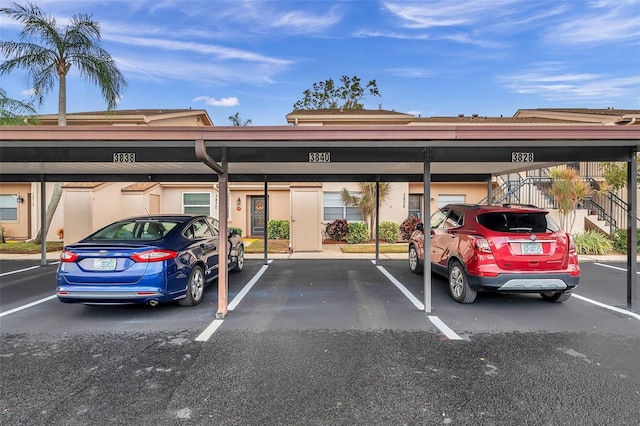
(223, 245)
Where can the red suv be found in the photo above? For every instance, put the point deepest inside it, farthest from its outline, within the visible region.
(509, 248)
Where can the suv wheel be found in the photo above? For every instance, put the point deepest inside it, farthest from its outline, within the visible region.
(414, 261)
(459, 284)
(556, 296)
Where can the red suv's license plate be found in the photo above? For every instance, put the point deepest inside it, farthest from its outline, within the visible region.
(531, 248)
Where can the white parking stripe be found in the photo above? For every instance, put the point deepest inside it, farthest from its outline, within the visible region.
(211, 328)
(19, 270)
(444, 328)
(617, 268)
(208, 332)
(236, 300)
(418, 304)
(451, 335)
(602, 305)
(28, 305)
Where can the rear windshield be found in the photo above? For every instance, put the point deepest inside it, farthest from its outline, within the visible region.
(518, 222)
(147, 230)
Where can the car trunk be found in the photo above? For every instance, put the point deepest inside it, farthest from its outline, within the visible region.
(106, 264)
(530, 252)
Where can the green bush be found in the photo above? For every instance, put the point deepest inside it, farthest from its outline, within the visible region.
(358, 233)
(278, 230)
(389, 231)
(337, 230)
(233, 229)
(593, 242)
(619, 240)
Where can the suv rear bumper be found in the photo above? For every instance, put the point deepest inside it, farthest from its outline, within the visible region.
(531, 283)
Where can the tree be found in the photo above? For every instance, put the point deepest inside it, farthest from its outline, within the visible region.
(615, 175)
(16, 113)
(236, 121)
(366, 200)
(326, 95)
(48, 51)
(568, 189)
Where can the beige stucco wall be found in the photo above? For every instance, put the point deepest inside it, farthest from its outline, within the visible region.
(279, 204)
(171, 194)
(18, 229)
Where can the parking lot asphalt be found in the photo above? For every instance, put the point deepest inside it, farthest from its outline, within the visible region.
(321, 342)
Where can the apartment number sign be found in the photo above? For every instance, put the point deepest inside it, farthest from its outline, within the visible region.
(124, 157)
(522, 157)
(319, 157)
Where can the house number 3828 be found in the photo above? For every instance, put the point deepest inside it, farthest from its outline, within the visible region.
(124, 157)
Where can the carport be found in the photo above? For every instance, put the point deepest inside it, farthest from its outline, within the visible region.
(432, 153)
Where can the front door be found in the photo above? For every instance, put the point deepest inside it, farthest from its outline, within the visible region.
(257, 216)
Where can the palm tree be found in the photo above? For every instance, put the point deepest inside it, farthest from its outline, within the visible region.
(47, 50)
(236, 121)
(14, 112)
(366, 201)
(568, 189)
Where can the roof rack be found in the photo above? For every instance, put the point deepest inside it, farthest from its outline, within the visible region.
(515, 206)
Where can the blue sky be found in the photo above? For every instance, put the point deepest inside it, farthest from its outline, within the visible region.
(431, 57)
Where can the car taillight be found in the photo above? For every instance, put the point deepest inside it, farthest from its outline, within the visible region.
(155, 255)
(572, 244)
(482, 245)
(68, 256)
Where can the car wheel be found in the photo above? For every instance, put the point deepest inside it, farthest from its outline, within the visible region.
(195, 288)
(414, 261)
(459, 284)
(239, 260)
(556, 296)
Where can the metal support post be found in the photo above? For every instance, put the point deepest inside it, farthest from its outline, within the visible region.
(426, 215)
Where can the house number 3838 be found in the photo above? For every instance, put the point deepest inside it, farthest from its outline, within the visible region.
(124, 157)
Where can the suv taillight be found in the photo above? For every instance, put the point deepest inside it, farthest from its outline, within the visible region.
(572, 244)
(482, 245)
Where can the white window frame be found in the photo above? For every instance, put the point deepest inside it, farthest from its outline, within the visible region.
(444, 199)
(347, 211)
(9, 202)
(186, 206)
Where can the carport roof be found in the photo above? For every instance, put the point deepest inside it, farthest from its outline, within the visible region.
(457, 152)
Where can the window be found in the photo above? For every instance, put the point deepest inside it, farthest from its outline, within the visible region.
(415, 205)
(8, 207)
(453, 220)
(196, 203)
(335, 208)
(444, 199)
(198, 230)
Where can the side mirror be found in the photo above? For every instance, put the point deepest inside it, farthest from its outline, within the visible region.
(420, 227)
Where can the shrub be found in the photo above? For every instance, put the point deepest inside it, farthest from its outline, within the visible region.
(337, 230)
(619, 240)
(358, 233)
(408, 226)
(593, 242)
(389, 231)
(232, 230)
(278, 230)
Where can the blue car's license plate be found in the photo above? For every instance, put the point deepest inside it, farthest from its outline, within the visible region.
(104, 264)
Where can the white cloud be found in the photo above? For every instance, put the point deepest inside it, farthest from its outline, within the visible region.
(224, 102)
(303, 22)
(572, 87)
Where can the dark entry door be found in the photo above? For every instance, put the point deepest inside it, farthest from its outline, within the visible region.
(257, 216)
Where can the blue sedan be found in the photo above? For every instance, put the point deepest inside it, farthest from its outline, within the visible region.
(146, 260)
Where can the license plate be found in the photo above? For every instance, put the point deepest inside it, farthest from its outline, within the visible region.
(104, 264)
(531, 248)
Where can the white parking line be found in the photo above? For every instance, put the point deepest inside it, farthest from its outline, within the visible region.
(19, 270)
(617, 268)
(216, 323)
(603, 305)
(451, 335)
(28, 305)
